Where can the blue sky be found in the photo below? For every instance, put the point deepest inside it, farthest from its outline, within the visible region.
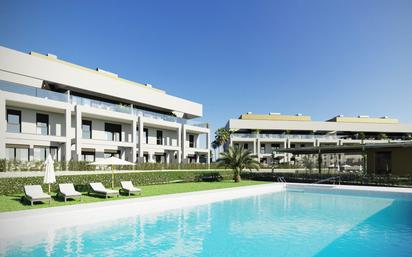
(319, 58)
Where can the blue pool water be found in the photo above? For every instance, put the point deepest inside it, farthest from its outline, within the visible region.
(279, 224)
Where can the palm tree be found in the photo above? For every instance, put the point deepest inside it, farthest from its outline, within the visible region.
(237, 159)
(215, 146)
(222, 136)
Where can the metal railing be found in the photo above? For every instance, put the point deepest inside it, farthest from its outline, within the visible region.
(328, 179)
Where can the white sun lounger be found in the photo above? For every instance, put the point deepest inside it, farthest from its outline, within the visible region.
(127, 187)
(67, 191)
(99, 189)
(34, 193)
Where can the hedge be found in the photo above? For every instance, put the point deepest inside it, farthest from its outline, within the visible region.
(15, 184)
(345, 178)
(13, 165)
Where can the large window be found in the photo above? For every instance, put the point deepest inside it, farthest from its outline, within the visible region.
(88, 156)
(42, 123)
(246, 146)
(14, 121)
(112, 154)
(159, 137)
(113, 131)
(146, 135)
(41, 153)
(87, 129)
(17, 153)
(191, 141)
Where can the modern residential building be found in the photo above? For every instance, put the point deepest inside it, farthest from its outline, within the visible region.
(48, 105)
(263, 134)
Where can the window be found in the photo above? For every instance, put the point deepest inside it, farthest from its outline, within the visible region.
(262, 148)
(13, 121)
(87, 129)
(88, 156)
(274, 146)
(236, 145)
(113, 132)
(159, 137)
(191, 141)
(41, 153)
(112, 154)
(292, 145)
(17, 153)
(158, 158)
(42, 123)
(245, 146)
(146, 135)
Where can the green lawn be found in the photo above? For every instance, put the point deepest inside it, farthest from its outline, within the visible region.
(13, 203)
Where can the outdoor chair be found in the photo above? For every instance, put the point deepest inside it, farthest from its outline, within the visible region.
(99, 189)
(34, 193)
(67, 191)
(129, 188)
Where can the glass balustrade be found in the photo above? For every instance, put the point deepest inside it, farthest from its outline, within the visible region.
(32, 91)
(47, 94)
(284, 136)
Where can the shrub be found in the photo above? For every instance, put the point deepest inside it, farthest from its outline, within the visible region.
(15, 185)
(14, 165)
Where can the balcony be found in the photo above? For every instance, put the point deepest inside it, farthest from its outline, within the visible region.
(83, 101)
(284, 136)
(32, 91)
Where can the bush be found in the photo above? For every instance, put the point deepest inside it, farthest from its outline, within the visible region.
(15, 185)
(13, 165)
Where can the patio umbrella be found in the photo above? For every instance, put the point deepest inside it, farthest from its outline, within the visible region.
(111, 162)
(49, 176)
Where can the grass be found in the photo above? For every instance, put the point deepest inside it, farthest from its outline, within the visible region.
(13, 202)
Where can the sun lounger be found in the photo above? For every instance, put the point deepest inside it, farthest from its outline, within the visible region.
(34, 193)
(99, 189)
(67, 191)
(127, 187)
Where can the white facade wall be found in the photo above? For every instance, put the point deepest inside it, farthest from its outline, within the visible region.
(65, 117)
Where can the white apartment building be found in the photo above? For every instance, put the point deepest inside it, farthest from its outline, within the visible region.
(263, 134)
(48, 105)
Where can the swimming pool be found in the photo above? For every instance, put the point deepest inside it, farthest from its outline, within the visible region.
(299, 221)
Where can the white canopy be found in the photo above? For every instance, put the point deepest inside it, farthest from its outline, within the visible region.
(49, 176)
(111, 162)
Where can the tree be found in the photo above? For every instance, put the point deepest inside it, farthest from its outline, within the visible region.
(362, 137)
(222, 136)
(215, 146)
(237, 159)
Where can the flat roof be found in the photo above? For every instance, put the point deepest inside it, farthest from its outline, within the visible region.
(343, 148)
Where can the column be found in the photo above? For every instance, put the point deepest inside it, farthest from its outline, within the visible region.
(141, 139)
(287, 145)
(78, 133)
(184, 144)
(197, 158)
(68, 146)
(208, 148)
(134, 139)
(3, 126)
(179, 144)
